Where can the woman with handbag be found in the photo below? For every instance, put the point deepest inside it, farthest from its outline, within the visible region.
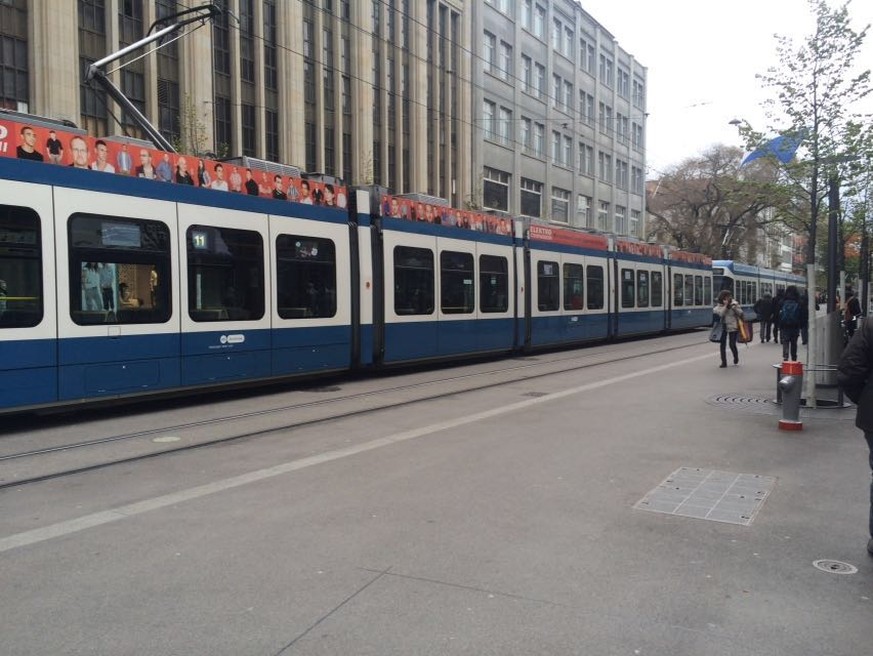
(730, 312)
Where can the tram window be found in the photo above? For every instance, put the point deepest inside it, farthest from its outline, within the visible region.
(689, 290)
(707, 290)
(594, 274)
(225, 274)
(548, 286)
(457, 292)
(493, 283)
(573, 287)
(657, 289)
(642, 289)
(754, 296)
(21, 304)
(698, 290)
(627, 288)
(677, 290)
(305, 277)
(119, 270)
(413, 280)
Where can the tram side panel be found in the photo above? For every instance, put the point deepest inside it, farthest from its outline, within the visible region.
(640, 305)
(409, 274)
(28, 310)
(691, 296)
(312, 314)
(117, 267)
(224, 293)
(495, 295)
(569, 296)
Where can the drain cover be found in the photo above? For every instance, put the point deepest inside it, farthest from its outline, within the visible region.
(535, 395)
(709, 494)
(835, 567)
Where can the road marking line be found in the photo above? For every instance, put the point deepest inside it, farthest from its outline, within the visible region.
(61, 529)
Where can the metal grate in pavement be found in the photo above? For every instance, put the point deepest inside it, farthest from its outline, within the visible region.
(709, 494)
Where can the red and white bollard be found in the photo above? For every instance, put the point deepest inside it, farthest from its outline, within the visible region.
(791, 385)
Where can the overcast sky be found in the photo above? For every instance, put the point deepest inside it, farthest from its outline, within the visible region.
(702, 57)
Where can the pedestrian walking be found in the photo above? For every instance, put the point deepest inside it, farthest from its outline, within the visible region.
(855, 377)
(764, 309)
(729, 311)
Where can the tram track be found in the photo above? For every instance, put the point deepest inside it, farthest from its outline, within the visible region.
(340, 411)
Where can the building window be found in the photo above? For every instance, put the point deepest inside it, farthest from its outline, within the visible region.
(586, 107)
(495, 189)
(604, 165)
(526, 74)
(583, 211)
(271, 132)
(504, 126)
(539, 21)
(489, 109)
(621, 174)
(635, 223)
(531, 198)
(539, 140)
(638, 94)
(620, 220)
(586, 159)
(490, 53)
(587, 52)
(560, 205)
(603, 216)
(249, 140)
(637, 180)
(505, 61)
(540, 80)
(223, 134)
(526, 134)
(623, 86)
(14, 89)
(606, 70)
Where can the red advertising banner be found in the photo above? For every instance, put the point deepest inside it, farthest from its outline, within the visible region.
(116, 156)
(568, 237)
(691, 258)
(412, 210)
(638, 248)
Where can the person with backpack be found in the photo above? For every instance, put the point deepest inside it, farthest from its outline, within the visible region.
(790, 322)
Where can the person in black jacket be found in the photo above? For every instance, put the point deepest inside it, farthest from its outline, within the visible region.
(854, 377)
(764, 309)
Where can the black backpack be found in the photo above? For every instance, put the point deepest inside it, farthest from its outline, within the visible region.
(789, 315)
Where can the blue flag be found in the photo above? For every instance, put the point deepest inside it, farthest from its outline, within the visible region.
(782, 148)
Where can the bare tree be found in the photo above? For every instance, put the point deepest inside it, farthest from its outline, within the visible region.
(703, 205)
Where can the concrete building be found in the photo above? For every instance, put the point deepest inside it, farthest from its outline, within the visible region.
(528, 107)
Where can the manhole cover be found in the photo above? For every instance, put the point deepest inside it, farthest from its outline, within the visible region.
(535, 395)
(835, 567)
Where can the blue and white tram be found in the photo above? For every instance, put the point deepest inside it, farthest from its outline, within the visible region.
(748, 283)
(118, 286)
